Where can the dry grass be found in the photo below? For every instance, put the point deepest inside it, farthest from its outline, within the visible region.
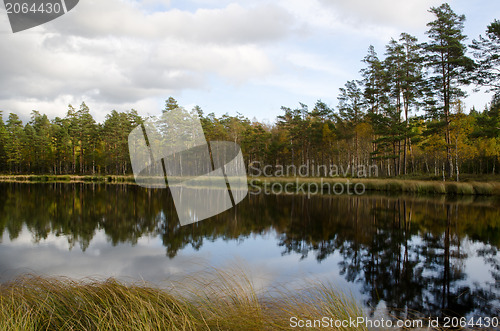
(393, 185)
(67, 178)
(371, 184)
(220, 300)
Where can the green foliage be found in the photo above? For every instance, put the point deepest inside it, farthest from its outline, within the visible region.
(377, 122)
(487, 52)
(170, 104)
(14, 145)
(445, 55)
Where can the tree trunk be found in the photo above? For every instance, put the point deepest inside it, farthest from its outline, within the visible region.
(456, 159)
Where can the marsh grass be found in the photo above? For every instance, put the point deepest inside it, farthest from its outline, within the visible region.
(371, 184)
(66, 178)
(392, 185)
(220, 300)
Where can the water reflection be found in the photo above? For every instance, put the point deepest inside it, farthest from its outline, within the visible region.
(431, 256)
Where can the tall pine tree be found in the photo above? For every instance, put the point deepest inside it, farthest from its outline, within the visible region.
(445, 55)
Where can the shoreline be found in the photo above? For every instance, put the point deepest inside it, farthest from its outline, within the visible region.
(386, 185)
(476, 186)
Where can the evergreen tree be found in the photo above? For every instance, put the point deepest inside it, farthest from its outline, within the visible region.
(63, 146)
(3, 144)
(14, 146)
(170, 104)
(115, 132)
(350, 116)
(487, 51)
(445, 55)
(374, 78)
(29, 151)
(39, 131)
(403, 81)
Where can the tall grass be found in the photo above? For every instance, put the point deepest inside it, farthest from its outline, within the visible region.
(67, 178)
(390, 185)
(370, 184)
(219, 301)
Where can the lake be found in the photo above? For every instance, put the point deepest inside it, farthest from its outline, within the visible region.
(400, 254)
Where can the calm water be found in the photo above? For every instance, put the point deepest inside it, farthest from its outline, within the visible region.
(427, 255)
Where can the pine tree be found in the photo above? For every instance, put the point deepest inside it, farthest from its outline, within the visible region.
(374, 78)
(114, 133)
(41, 141)
(62, 144)
(487, 51)
(350, 116)
(3, 144)
(403, 81)
(375, 92)
(445, 55)
(170, 104)
(14, 146)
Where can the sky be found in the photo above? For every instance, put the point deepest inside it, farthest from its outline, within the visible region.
(228, 57)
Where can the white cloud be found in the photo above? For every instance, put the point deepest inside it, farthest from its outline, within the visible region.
(319, 63)
(379, 20)
(114, 52)
(316, 88)
(231, 24)
(406, 14)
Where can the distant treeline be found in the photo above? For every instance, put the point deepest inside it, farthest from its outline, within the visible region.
(405, 115)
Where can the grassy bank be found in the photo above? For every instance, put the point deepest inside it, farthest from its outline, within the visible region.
(66, 179)
(227, 301)
(378, 185)
(481, 186)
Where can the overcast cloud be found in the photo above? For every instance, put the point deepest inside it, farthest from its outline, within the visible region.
(226, 56)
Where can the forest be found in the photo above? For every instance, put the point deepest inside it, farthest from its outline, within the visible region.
(404, 113)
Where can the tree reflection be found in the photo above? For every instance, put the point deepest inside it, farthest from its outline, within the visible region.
(408, 253)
